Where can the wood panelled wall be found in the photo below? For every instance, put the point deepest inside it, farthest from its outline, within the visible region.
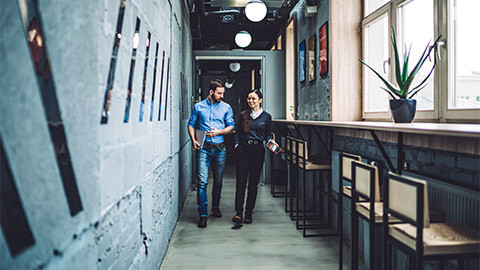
(345, 45)
(445, 143)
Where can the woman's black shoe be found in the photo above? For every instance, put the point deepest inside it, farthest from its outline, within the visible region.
(216, 212)
(248, 219)
(237, 219)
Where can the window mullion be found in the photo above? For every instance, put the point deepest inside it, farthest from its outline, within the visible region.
(392, 13)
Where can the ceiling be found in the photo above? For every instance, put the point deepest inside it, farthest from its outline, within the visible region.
(214, 23)
(243, 3)
(223, 66)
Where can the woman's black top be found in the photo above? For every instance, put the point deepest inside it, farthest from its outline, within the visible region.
(260, 128)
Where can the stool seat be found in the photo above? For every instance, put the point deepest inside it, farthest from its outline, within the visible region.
(363, 208)
(312, 165)
(347, 191)
(440, 238)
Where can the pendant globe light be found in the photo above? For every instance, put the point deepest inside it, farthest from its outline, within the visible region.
(235, 66)
(243, 39)
(256, 10)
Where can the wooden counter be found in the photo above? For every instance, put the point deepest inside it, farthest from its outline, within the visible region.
(457, 130)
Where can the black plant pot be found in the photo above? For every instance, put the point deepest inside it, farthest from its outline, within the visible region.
(403, 110)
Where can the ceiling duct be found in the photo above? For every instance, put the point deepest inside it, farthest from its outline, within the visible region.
(199, 9)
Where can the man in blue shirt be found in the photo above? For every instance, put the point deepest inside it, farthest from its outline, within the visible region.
(216, 118)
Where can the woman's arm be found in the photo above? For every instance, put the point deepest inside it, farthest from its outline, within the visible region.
(239, 125)
(268, 128)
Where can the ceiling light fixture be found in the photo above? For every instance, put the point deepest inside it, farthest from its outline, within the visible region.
(256, 10)
(229, 84)
(235, 66)
(243, 39)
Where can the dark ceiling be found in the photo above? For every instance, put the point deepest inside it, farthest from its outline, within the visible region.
(222, 66)
(214, 23)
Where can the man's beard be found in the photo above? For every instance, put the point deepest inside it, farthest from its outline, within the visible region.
(214, 99)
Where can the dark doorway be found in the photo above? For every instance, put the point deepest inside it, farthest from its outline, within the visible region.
(239, 77)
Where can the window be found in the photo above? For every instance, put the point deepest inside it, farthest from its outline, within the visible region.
(453, 90)
(464, 71)
(376, 52)
(372, 5)
(415, 30)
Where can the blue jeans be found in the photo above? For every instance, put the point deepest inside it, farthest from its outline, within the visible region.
(216, 157)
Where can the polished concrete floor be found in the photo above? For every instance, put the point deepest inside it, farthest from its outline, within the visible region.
(270, 242)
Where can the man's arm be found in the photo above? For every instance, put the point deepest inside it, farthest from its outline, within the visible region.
(228, 122)
(215, 132)
(195, 143)
(191, 129)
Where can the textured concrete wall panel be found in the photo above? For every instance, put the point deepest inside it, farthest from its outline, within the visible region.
(132, 177)
(313, 98)
(28, 146)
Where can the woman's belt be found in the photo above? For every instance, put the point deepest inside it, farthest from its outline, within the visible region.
(251, 141)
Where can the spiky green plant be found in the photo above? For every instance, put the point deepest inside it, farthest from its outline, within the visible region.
(404, 79)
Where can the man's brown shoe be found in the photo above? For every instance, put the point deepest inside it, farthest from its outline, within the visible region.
(202, 222)
(216, 212)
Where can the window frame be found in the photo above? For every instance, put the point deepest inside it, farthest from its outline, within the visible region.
(467, 114)
(442, 73)
(372, 17)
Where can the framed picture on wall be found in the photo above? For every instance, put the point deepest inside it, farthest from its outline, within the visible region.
(323, 49)
(301, 61)
(311, 58)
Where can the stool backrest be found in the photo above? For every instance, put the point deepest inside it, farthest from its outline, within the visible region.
(365, 180)
(300, 148)
(346, 165)
(288, 147)
(407, 199)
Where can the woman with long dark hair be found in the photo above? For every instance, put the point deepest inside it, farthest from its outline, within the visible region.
(253, 128)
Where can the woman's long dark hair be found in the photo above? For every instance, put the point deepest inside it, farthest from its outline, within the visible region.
(246, 118)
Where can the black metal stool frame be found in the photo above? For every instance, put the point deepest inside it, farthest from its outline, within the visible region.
(356, 196)
(340, 207)
(276, 194)
(416, 256)
(301, 219)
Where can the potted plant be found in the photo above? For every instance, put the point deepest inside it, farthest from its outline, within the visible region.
(402, 105)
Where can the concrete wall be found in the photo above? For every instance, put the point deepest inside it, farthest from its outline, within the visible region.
(313, 97)
(128, 174)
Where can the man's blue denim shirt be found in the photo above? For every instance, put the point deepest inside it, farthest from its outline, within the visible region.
(208, 115)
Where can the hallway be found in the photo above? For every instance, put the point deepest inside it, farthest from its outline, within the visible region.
(270, 242)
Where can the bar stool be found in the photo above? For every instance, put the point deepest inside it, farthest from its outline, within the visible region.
(365, 203)
(288, 185)
(366, 186)
(291, 181)
(272, 169)
(345, 169)
(406, 199)
(307, 164)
